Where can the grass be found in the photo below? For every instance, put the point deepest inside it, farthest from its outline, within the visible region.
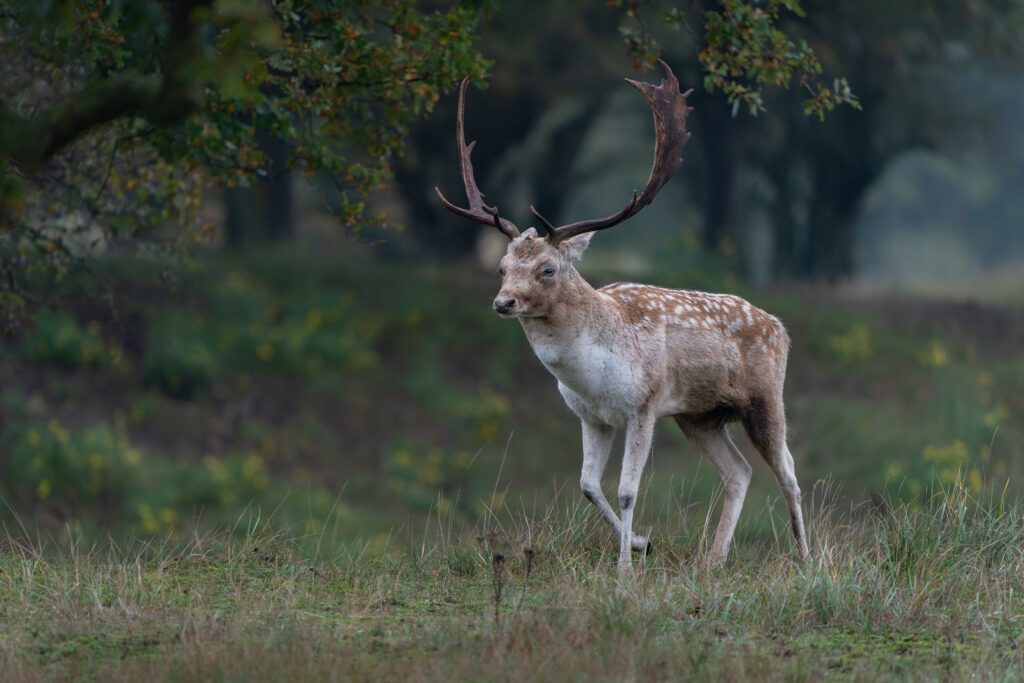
(911, 591)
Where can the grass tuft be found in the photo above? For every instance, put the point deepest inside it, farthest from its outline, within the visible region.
(910, 590)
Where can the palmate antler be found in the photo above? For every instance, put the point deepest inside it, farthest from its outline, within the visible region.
(670, 135)
(670, 110)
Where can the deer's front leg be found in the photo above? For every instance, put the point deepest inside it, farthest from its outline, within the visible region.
(597, 445)
(639, 433)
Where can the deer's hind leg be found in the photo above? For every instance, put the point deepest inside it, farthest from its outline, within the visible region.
(765, 422)
(713, 442)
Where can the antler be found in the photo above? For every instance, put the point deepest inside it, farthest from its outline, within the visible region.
(477, 211)
(670, 111)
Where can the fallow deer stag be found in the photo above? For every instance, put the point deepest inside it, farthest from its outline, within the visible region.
(627, 354)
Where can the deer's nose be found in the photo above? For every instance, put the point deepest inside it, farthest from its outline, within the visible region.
(503, 305)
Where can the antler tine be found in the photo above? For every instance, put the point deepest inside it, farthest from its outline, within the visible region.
(556, 235)
(543, 221)
(478, 211)
(670, 110)
(495, 218)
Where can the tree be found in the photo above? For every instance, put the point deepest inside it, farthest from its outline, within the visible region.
(116, 114)
(554, 64)
(906, 75)
(747, 52)
(901, 59)
(564, 56)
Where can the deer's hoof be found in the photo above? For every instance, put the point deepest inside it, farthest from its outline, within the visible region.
(642, 545)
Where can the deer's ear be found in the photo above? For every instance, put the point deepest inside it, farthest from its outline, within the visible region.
(530, 233)
(574, 247)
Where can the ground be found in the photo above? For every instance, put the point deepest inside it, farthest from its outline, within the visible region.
(905, 592)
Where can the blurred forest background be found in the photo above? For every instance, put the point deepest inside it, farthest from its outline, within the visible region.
(228, 287)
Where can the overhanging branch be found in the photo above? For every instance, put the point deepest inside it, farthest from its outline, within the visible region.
(164, 99)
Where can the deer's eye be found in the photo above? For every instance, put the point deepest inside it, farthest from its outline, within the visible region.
(548, 272)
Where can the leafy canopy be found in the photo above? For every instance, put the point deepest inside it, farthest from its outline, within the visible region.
(743, 49)
(116, 114)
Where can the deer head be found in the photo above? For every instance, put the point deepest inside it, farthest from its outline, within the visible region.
(536, 270)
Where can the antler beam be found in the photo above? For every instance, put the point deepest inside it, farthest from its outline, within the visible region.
(478, 211)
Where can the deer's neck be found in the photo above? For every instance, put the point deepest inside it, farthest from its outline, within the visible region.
(577, 320)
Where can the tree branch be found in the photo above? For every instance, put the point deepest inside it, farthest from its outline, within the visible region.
(163, 99)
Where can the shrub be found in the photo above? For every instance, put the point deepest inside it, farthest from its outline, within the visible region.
(244, 328)
(57, 339)
(90, 469)
(300, 331)
(177, 361)
(96, 474)
(425, 478)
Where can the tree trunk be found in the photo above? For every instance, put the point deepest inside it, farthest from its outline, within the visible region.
(552, 182)
(784, 223)
(719, 132)
(843, 170)
(431, 160)
(277, 191)
(263, 212)
(239, 217)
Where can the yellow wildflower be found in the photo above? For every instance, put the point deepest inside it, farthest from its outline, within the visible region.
(974, 481)
(147, 519)
(57, 430)
(934, 355)
(854, 345)
(314, 320)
